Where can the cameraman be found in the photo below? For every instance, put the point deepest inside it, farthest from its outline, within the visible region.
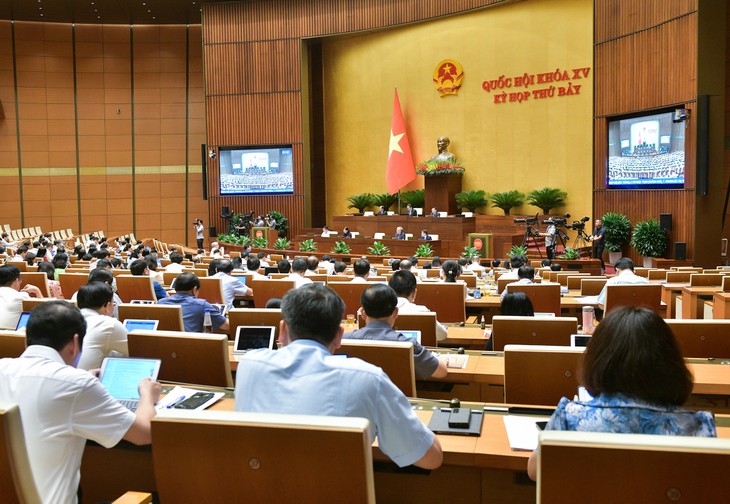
(599, 242)
(550, 238)
(198, 226)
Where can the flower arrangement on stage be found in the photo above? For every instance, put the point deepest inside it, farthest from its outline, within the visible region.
(434, 168)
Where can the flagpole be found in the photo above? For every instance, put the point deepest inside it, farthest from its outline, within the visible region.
(399, 209)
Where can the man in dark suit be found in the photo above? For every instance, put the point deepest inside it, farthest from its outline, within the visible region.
(381, 211)
(425, 235)
(410, 211)
(399, 234)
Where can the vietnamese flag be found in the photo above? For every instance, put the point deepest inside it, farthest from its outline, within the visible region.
(400, 170)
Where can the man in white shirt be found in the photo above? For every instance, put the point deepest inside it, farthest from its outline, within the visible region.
(624, 276)
(12, 296)
(252, 268)
(231, 286)
(298, 270)
(175, 265)
(62, 406)
(477, 268)
(361, 268)
(404, 284)
(516, 262)
(105, 335)
(526, 275)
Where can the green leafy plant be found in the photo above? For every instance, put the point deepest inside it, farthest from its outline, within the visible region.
(308, 246)
(378, 249)
(260, 242)
(233, 239)
(416, 198)
(341, 247)
(282, 223)
(570, 254)
(517, 250)
(648, 239)
(618, 230)
(547, 198)
(470, 252)
(507, 200)
(472, 200)
(385, 200)
(282, 244)
(424, 250)
(360, 201)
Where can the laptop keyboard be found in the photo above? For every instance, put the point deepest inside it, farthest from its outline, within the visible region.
(130, 404)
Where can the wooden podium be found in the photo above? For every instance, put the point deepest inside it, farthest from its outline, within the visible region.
(441, 191)
(271, 235)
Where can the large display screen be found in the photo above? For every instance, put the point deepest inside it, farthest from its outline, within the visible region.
(646, 152)
(256, 170)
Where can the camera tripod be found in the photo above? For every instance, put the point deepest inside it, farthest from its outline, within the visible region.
(530, 234)
(582, 240)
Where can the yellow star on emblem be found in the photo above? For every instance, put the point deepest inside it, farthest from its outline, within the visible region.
(394, 143)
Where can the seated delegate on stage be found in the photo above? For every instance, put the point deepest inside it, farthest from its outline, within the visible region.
(435, 212)
(382, 210)
(638, 380)
(410, 211)
(425, 235)
(303, 377)
(346, 232)
(399, 234)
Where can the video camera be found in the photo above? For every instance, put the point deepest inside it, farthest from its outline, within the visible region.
(557, 221)
(526, 220)
(579, 225)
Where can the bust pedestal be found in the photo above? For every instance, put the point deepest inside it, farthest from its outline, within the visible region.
(440, 192)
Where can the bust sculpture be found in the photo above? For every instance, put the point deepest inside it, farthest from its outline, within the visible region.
(444, 155)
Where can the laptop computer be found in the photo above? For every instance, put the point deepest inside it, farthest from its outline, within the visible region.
(412, 335)
(121, 376)
(23, 320)
(144, 324)
(253, 338)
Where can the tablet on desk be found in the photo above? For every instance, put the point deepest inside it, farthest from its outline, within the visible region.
(253, 338)
(579, 340)
(23, 320)
(143, 324)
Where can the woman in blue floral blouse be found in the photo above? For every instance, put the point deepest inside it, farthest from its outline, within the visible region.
(635, 372)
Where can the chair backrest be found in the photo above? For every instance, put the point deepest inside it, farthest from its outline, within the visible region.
(170, 316)
(394, 357)
(72, 282)
(16, 478)
(186, 357)
(562, 276)
(705, 280)
(424, 322)
(211, 289)
(263, 290)
(469, 280)
(646, 295)
(545, 298)
(169, 277)
(702, 338)
(575, 281)
(240, 457)
(253, 317)
(350, 293)
(678, 276)
(31, 303)
(12, 344)
(448, 300)
(503, 282)
(130, 287)
(532, 331)
(630, 468)
(591, 286)
(557, 378)
(726, 283)
(39, 279)
(657, 274)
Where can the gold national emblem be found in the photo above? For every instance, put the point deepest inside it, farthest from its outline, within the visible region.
(447, 77)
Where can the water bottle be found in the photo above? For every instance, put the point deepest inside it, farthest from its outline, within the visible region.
(477, 293)
(588, 316)
(207, 322)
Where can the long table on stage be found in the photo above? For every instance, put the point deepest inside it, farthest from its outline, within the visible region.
(447, 228)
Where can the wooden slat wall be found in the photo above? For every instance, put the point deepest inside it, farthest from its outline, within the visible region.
(253, 77)
(645, 58)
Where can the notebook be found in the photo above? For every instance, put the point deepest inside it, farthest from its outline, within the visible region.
(146, 325)
(253, 338)
(121, 376)
(23, 320)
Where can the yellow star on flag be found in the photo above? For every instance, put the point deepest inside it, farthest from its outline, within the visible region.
(395, 143)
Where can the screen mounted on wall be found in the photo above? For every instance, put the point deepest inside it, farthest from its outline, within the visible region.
(646, 151)
(256, 170)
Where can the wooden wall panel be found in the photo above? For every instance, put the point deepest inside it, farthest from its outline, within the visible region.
(616, 18)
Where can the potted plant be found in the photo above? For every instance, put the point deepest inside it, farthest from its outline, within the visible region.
(416, 198)
(260, 243)
(378, 249)
(507, 200)
(308, 246)
(341, 247)
(570, 254)
(282, 244)
(424, 250)
(470, 253)
(547, 198)
(649, 240)
(360, 202)
(517, 250)
(385, 200)
(618, 234)
(472, 200)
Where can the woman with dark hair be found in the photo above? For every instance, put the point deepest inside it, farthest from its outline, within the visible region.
(635, 372)
(451, 270)
(54, 286)
(516, 304)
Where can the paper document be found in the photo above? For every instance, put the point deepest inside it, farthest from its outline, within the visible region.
(587, 300)
(522, 431)
(179, 394)
(453, 361)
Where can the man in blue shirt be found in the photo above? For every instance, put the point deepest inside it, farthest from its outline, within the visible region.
(303, 377)
(187, 286)
(379, 309)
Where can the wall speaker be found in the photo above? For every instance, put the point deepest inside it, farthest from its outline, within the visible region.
(211, 232)
(665, 222)
(204, 169)
(680, 251)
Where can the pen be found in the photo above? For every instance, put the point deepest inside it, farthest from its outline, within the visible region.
(177, 401)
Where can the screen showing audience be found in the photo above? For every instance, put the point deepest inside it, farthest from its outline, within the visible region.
(256, 170)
